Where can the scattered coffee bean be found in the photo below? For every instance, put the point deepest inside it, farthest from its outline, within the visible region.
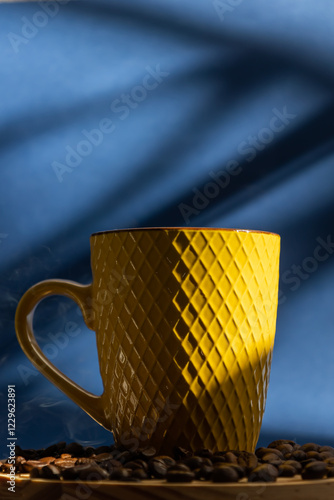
(298, 455)
(193, 462)
(279, 442)
(314, 470)
(157, 468)
(286, 471)
(265, 472)
(225, 474)
(140, 474)
(310, 447)
(296, 465)
(283, 458)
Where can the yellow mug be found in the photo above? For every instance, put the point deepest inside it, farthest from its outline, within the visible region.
(185, 323)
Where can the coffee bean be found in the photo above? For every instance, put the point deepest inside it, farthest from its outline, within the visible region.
(325, 454)
(329, 461)
(157, 468)
(284, 448)
(64, 456)
(169, 461)
(265, 472)
(119, 474)
(248, 460)
(298, 455)
(133, 465)
(310, 447)
(241, 471)
(49, 472)
(327, 448)
(279, 442)
(260, 452)
(313, 454)
(205, 472)
(139, 474)
(123, 457)
(85, 460)
(178, 476)
(303, 463)
(286, 471)
(330, 472)
(65, 462)
(74, 449)
(47, 460)
(272, 458)
(314, 470)
(193, 462)
(224, 474)
(296, 465)
(102, 457)
(179, 467)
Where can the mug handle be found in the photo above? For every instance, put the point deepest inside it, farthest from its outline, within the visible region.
(91, 404)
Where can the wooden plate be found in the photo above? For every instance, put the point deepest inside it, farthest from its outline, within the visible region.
(284, 489)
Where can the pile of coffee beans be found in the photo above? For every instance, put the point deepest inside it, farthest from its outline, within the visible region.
(281, 458)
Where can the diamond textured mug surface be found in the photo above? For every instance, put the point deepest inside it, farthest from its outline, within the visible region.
(185, 323)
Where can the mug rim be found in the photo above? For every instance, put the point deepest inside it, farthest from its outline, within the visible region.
(178, 228)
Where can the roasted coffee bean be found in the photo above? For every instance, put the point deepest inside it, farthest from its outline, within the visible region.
(47, 460)
(327, 448)
(178, 476)
(325, 454)
(296, 465)
(133, 465)
(169, 461)
(279, 442)
(310, 447)
(120, 474)
(123, 457)
(139, 474)
(241, 471)
(314, 470)
(65, 462)
(88, 451)
(85, 460)
(205, 472)
(89, 472)
(329, 461)
(298, 455)
(284, 448)
(225, 474)
(286, 471)
(193, 462)
(48, 472)
(74, 449)
(27, 454)
(260, 452)
(181, 453)
(248, 460)
(157, 468)
(218, 459)
(313, 454)
(102, 457)
(64, 456)
(303, 463)
(272, 458)
(265, 472)
(180, 467)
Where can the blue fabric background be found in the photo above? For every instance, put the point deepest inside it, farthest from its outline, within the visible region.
(229, 68)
